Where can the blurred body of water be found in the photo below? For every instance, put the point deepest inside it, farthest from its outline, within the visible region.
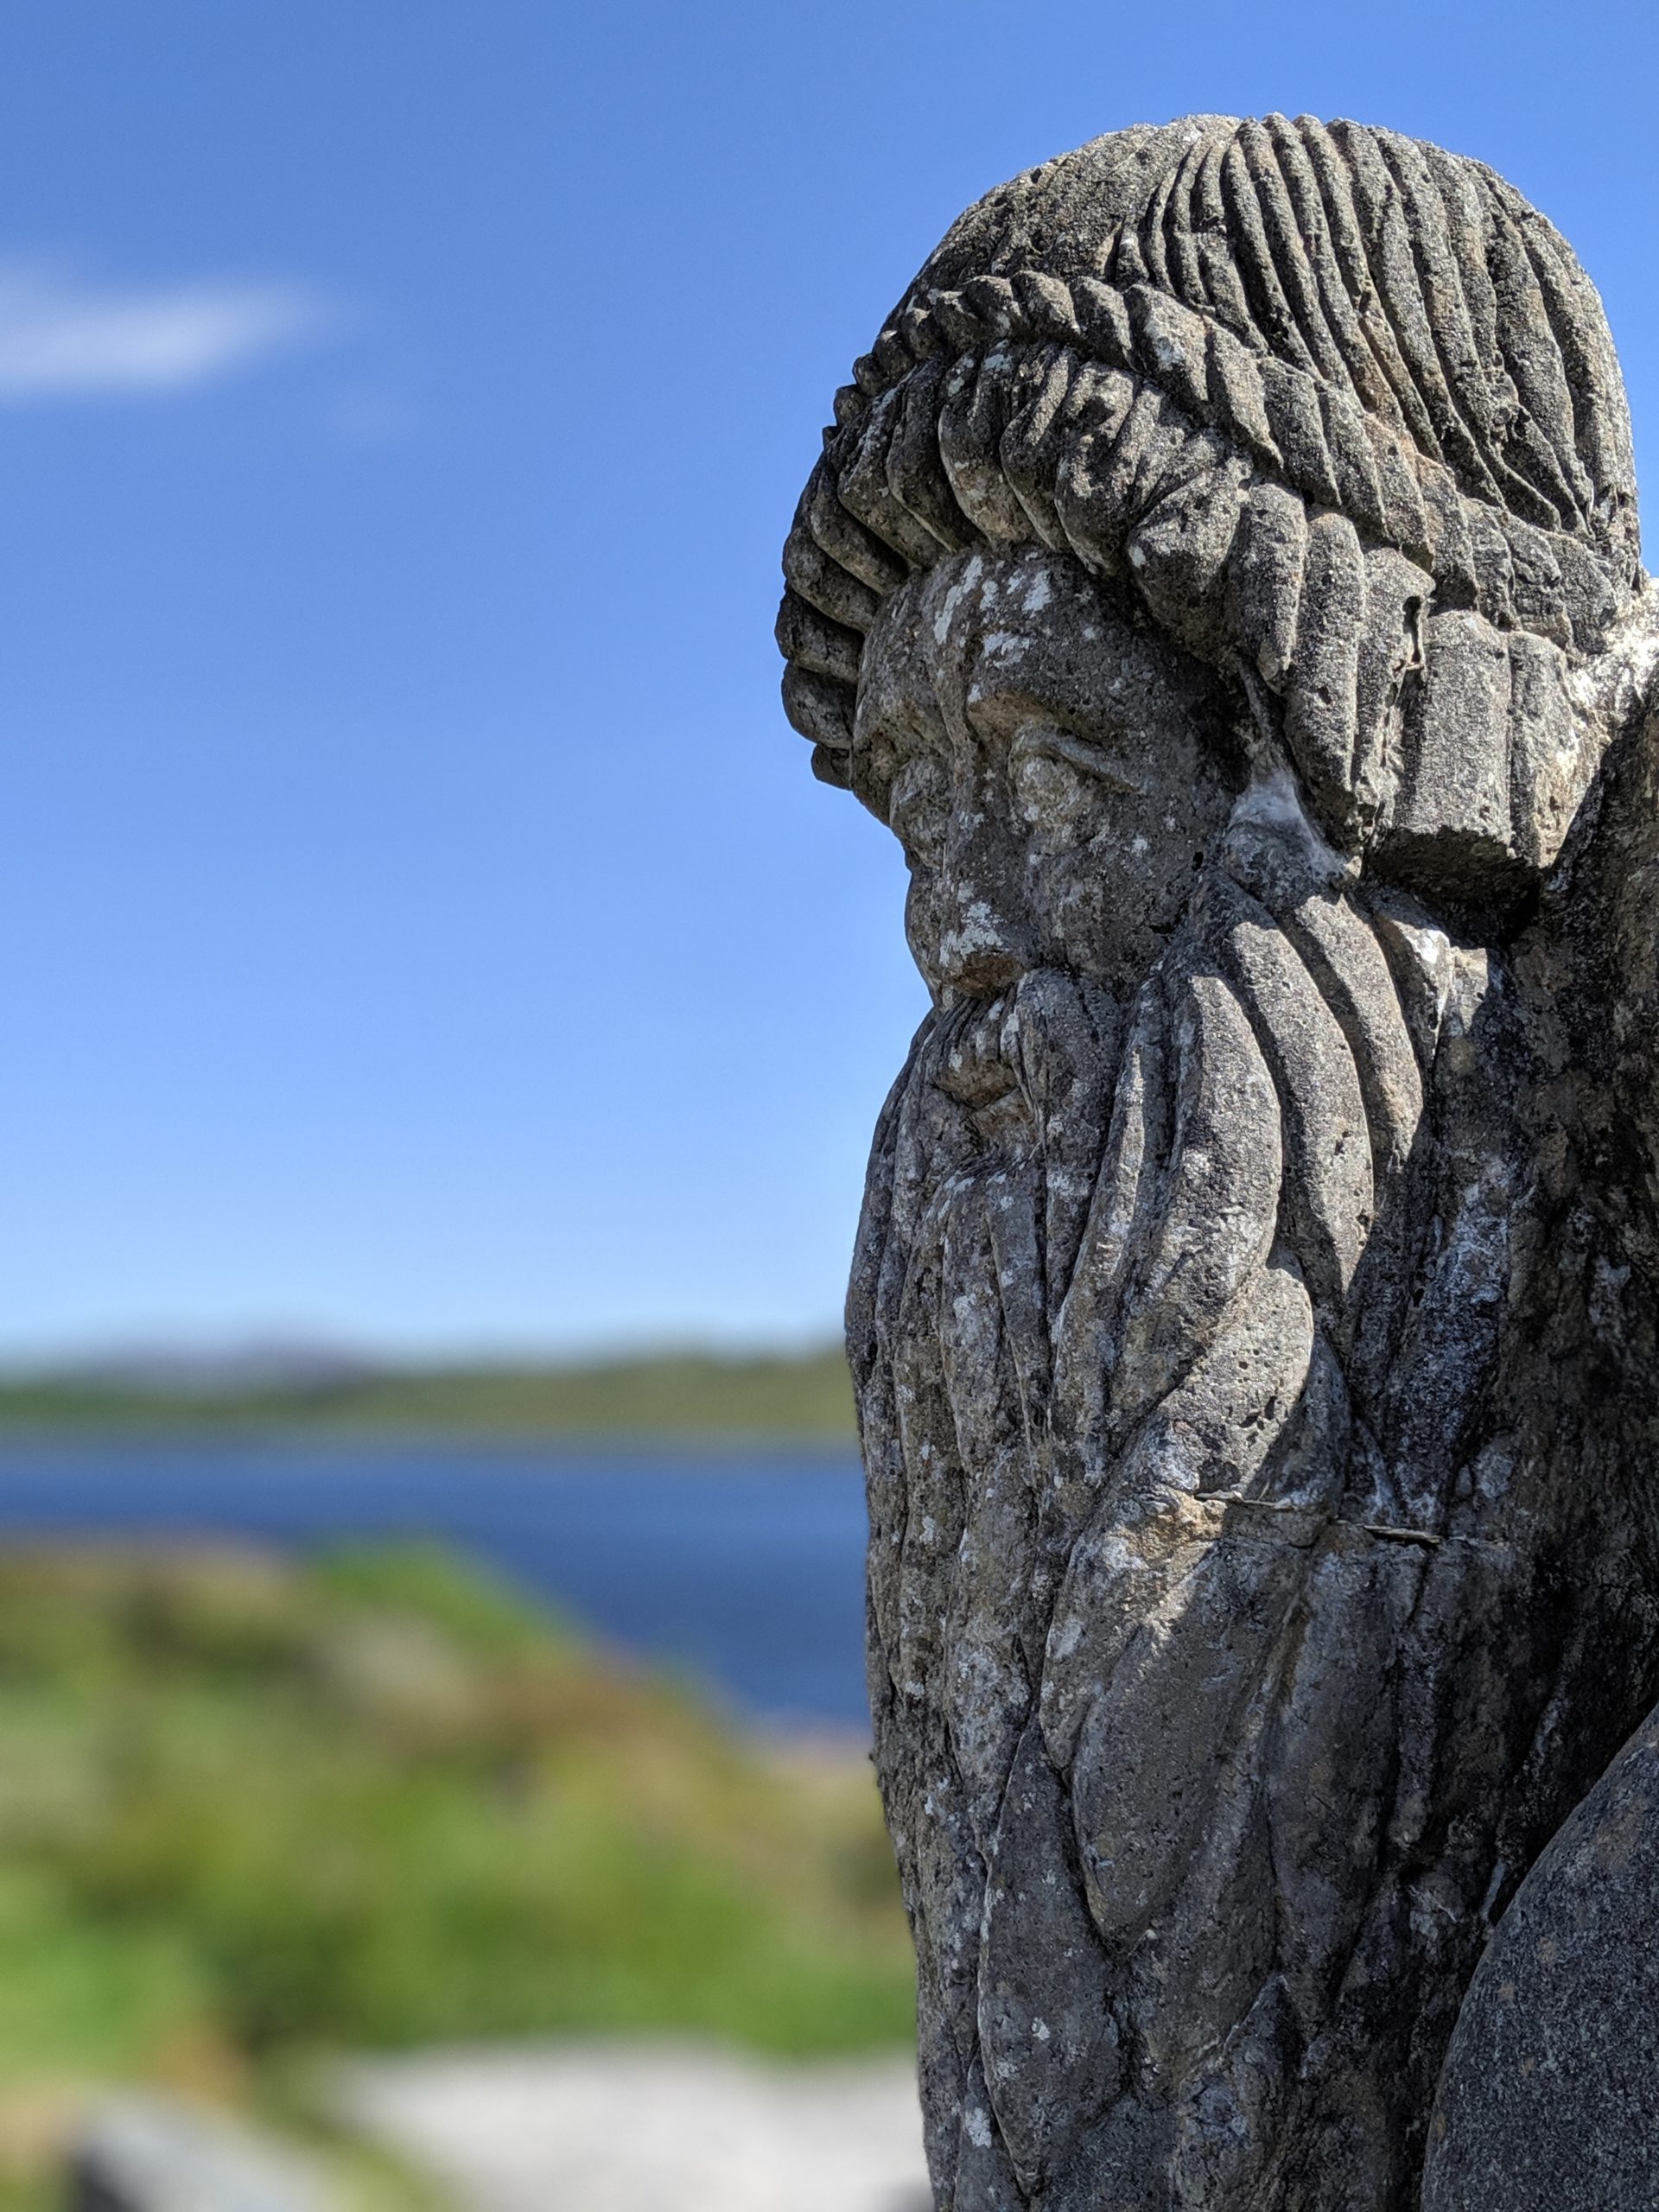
(745, 1569)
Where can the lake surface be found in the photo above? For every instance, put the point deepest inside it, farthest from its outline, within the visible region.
(745, 1569)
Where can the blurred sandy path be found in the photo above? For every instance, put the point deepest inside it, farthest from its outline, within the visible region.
(633, 2127)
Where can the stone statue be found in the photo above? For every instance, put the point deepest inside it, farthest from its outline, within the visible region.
(1223, 576)
(1546, 2099)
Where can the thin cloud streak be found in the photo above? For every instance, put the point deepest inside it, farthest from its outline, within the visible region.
(63, 339)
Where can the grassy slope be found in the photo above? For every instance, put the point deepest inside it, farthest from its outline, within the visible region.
(249, 1811)
(807, 1397)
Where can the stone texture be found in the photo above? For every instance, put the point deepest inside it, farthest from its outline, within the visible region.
(1546, 2098)
(1222, 576)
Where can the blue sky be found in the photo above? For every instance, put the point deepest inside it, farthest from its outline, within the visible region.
(418, 925)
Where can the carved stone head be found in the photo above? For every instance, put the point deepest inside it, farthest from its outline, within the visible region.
(1326, 422)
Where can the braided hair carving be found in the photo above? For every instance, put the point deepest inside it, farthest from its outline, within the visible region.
(1339, 409)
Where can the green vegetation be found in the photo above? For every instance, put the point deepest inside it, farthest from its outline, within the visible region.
(252, 1811)
(804, 1397)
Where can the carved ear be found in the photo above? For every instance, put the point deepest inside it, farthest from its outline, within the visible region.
(1501, 739)
(1556, 744)
(1450, 830)
(1563, 716)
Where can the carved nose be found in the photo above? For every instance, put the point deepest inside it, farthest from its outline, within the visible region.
(983, 948)
(985, 940)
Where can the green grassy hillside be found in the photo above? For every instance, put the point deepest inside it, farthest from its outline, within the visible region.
(685, 1394)
(249, 1810)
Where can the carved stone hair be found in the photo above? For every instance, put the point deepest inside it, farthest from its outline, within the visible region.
(1338, 408)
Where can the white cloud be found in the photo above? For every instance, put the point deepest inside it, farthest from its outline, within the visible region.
(61, 337)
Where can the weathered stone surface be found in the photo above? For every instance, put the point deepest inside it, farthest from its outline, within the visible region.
(1222, 577)
(1549, 2098)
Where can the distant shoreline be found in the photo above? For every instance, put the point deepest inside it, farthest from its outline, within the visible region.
(692, 1399)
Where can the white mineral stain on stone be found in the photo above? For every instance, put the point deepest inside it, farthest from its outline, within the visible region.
(976, 931)
(1494, 1471)
(954, 597)
(977, 2122)
(1065, 1641)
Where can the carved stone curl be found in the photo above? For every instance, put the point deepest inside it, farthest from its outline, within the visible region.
(1223, 576)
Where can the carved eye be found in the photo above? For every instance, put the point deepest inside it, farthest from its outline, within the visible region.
(1048, 791)
(1057, 777)
(919, 802)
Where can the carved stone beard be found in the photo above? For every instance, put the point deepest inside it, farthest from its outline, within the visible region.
(1168, 1325)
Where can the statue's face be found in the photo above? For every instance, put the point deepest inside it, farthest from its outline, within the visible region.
(1056, 776)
